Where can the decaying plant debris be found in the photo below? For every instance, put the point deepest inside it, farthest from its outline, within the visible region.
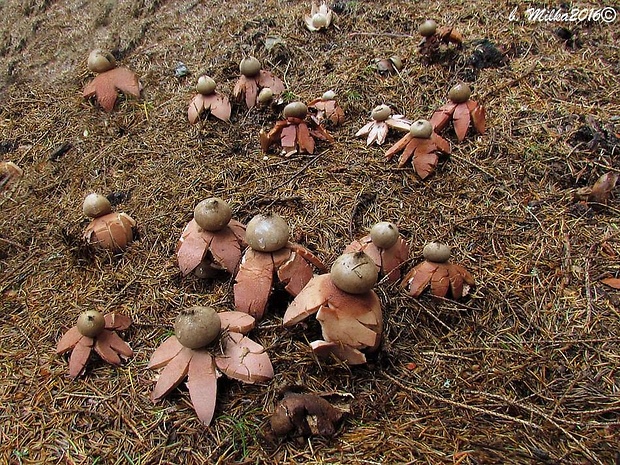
(524, 371)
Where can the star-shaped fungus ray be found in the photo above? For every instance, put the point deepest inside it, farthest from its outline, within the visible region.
(105, 86)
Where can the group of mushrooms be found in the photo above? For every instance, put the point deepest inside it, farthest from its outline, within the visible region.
(260, 255)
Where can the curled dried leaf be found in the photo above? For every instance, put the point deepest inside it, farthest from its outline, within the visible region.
(305, 415)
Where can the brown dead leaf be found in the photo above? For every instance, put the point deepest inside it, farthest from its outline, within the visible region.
(292, 415)
(612, 282)
(602, 188)
(9, 174)
(105, 86)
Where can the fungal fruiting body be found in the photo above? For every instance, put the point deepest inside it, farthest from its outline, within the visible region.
(293, 132)
(434, 36)
(95, 331)
(252, 80)
(107, 230)
(207, 100)
(351, 321)
(382, 120)
(212, 241)
(461, 110)
(326, 109)
(320, 17)
(271, 256)
(385, 246)
(422, 146)
(292, 414)
(443, 277)
(389, 65)
(110, 80)
(206, 343)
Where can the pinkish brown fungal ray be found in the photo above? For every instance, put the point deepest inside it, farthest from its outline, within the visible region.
(202, 385)
(169, 349)
(245, 360)
(173, 374)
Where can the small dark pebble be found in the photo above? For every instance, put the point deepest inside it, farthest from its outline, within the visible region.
(181, 70)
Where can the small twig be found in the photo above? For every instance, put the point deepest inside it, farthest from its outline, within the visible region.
(460, 404)
(454, 155)
(283, 183)
(381, 34)
(535, 410)
(8, 241)
(514, 81)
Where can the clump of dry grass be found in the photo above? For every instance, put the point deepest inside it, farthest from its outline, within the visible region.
(525, 370)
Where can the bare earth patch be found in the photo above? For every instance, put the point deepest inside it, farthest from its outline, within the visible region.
(523, 371)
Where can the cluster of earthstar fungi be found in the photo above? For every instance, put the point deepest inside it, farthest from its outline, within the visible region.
(260, 256)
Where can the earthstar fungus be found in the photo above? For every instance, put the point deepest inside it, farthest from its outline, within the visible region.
(320, 17)
(294, 132)
(434, 37)
(205, 344)
(326, 108)
(107, 230)
(212, 241)
(346, 307)
(422, 146)
(208, 100)
(382, 120)
(385, 246)
(95, 331)
(461, 110)
(292, 414)
(443, 277)
(270, 254)
(110, 80)
(252, 80)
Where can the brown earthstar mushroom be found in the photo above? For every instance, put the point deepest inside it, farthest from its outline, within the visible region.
(252, 80)
(95, 331)
(212, 241)
(294, 132)
(385, 246)
(382, 121)
(347, 308)
(326, 109)
(434, 37)
(423, 146)
(204, 342)
(107, 230)
(444, 278)
(207, 100)
(320, 17)
(270, 254)
(461, 110)
(110, 80)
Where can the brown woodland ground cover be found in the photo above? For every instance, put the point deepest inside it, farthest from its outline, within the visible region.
(525, 370)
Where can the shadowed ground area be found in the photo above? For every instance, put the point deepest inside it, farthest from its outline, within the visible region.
(524, 370)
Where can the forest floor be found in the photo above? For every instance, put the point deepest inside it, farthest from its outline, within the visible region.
(524, 370)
